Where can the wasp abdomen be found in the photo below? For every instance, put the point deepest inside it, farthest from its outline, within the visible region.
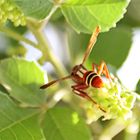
(93, 79)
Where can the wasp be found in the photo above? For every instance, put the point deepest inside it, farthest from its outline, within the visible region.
(84, 78)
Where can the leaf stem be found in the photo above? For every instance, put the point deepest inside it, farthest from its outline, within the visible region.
(56, 5)
(112, 129)
(45, 21)
(43, 44)
(17, 36)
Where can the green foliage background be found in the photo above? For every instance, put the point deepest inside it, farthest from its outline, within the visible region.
(28, 113)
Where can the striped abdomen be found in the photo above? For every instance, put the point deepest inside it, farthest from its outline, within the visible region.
(93, 79)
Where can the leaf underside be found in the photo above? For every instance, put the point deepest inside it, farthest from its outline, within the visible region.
(64, 124)
(84, 16)
(22, 80)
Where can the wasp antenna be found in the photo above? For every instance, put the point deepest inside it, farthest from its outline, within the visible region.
(55, 81)
(91, 43)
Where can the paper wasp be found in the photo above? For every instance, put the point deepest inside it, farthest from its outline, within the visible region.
(84, 78)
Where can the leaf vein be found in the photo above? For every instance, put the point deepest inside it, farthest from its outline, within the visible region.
(90, 5)
(2, 112)
(96, 18)
(26, 130)
(14, 123)
(14, 134)
(79, 18)
(57, 126)
(23, 87)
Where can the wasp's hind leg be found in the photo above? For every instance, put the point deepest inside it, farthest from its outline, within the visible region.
(78, 90)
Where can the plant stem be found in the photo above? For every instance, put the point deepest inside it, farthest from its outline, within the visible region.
(112, 130)
(17, 36)
(45, 21)
(43, 44)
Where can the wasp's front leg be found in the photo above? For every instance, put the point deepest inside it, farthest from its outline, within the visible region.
(78, 90)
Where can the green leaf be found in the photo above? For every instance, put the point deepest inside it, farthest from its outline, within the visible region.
(77, 44)
(2, 89)
(38, 9)
(10, 47)
(22, 79)
(112, 47)
(132, 17)
(84, 16)
(64, 124)
(138, 87)
(134, 11)
(18, 123)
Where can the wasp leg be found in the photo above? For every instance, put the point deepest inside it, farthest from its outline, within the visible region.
(103, 69)
(76, 69)
(81, 86)
(78, 90)
(82, 69)
(94, 67)
(91, 43)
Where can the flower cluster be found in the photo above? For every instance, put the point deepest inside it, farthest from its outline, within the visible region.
(9, 10)
(114, 99)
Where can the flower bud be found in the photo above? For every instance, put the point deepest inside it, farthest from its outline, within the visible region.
(9, 11)
(113, 98)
